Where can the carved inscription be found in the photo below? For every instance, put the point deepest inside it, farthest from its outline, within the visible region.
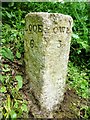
(60, 42)
(39, 28)
(61, 29)
(35, 28)
(31, 43)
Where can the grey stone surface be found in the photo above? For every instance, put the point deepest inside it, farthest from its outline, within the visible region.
(47, 46)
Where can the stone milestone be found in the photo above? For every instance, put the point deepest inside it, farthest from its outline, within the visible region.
(47, 46)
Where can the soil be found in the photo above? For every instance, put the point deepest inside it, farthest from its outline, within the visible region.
(70, 108)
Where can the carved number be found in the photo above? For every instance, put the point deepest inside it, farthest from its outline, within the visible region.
(60, 42)
(31, 43)
(35, 28)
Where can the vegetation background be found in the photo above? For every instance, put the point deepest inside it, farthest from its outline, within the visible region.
(12, 104)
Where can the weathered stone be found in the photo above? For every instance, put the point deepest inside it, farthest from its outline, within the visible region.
(47, 46)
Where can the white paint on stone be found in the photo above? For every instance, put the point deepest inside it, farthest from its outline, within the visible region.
(47, 46)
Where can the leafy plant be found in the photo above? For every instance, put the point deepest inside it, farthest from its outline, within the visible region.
(79, 80)
(19, 79)
(14, 105)
(7, 53)
(3, 89)
(84, 112)
(18, 55)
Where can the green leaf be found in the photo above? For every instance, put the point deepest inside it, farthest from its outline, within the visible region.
(3, 89)
(7, 69)
(7, 53)
(24, 107)
(8, 102)
(83, 86)
(75, 36)
(16, 104)
(8, 14)
(3, 41)
(13, 114)
(84, 95)
(1, 78)
(23, 21)
(18, 55)
(11, 4)
(19, 79)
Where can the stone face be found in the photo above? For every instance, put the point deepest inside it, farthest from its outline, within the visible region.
(47, 46)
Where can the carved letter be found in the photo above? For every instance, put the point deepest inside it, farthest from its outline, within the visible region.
(55, 29)
(30, 27)
(35, 28)
(40, 28)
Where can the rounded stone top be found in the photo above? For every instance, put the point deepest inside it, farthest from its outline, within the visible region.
(47, 16)
(46, 13)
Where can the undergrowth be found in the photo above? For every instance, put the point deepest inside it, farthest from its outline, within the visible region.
(12, 51)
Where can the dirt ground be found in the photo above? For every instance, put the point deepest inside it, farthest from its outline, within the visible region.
(70, 109)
